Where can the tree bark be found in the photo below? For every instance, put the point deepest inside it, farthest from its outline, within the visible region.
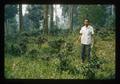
(46, 19)
(70, 18)
(51, 17)
(112, 10)
(20, 18)
(56, 16)
(5, 28)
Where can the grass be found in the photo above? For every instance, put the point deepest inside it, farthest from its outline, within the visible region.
(24, 67)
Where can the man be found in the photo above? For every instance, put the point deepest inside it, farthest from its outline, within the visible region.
(86, 34)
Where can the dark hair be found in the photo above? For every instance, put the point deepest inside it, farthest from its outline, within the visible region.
(87, 19)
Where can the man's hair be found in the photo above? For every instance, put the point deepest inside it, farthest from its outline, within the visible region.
(87, 19)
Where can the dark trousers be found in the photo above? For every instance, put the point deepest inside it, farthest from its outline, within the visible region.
(85, 51)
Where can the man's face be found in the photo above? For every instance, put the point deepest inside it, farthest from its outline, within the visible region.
(86, 22)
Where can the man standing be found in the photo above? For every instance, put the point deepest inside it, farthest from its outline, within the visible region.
(86, 34)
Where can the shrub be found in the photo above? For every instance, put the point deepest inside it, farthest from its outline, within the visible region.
(65, 61)
(33, 53)
(56, 44)
(15, 50)
(89, 70)
(24, 34)
(36, 33)
(41, 40)
(23, 47)
(7, 46)
(24, 40)
(104, 34)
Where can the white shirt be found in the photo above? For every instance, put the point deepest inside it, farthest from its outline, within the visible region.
(86, 32)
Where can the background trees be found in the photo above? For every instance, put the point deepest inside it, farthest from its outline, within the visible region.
(35, 15)
(45, 17)
(10, 12)
(20, 18)
(95, 13)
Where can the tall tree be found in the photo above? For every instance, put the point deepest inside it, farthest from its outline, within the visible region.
(10, 12)
(70, 18)
(35, 14)
(51, 16)
(95, 13)
(46, 19)
(76, 23)
(56, 18)
(20, 18)
(110, 18)
(26, 22)
(67, 12)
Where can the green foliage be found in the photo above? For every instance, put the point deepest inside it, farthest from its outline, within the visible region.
(95, 13)
(62, 64)
(35, 14)
(110, 23)
(90, 69)
(36, 33)
(24, 34)
(12, 23)
(65, 62)
(8, 13)
(41, 40)
(104, 34)
(56, 44)
(33, 53)
(18, 49)
(15, 50)
(23, 44)
(26, 23)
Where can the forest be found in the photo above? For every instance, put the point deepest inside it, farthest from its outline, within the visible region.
(41, 41)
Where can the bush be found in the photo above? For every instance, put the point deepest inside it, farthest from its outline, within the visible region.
(56, 44)
(103, 33)
(33, 53)
(23, 47)
(110, 24)
(25, 34)
(23, 39)
(65, 60)
(90, 69)
(36, 33)
(15, 50)
(7, 46)
(41, 40)
(18, 49)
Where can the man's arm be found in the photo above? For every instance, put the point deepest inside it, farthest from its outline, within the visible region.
(93, 37)
(80, 34)
(79, 37)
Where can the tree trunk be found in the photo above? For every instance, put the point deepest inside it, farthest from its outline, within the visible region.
(6, 27)
(70, 18)
(20, 18)
(112, 10)
(55, 15)
(46, 19)
(51, 17)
